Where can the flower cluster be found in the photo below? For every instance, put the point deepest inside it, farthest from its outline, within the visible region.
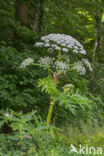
(59, 66)
(78, 66)
(87, 64)
(46, 61)
(26, 62)
(61, 42)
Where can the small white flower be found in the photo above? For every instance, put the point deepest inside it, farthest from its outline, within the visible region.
(54, 45)
(69, 46)
(47, 45)
(43, 38)
(39, 44)
(65, 50)
(26, 62)
(83, 52)
(75, 51)
(58, 42)
(46, 41)
(63, 44)
(57, 48)
(76, 48)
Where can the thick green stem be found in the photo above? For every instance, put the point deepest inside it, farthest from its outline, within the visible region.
(59, 55)
(50, 112)
(56, 78)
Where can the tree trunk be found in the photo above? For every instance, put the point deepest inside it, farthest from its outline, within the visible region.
(22, 12)
(30, 14)
(97, 19)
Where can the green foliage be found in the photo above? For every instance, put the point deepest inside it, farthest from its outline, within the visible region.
(7, 18)
(73, 101)
(29, 136)
(25, 33)
(18, 88)
(25, 134)
(76, 20)
(48, 85)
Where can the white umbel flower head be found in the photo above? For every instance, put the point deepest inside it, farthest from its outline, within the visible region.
(60, 66)
(46, 61)
(87, 64)
(57, 48)
(47, 45)
(26, 62)
(63, 42)
(63, 66)
(78, 66)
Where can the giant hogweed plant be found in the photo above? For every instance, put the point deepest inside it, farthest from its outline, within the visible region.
(60, 46)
